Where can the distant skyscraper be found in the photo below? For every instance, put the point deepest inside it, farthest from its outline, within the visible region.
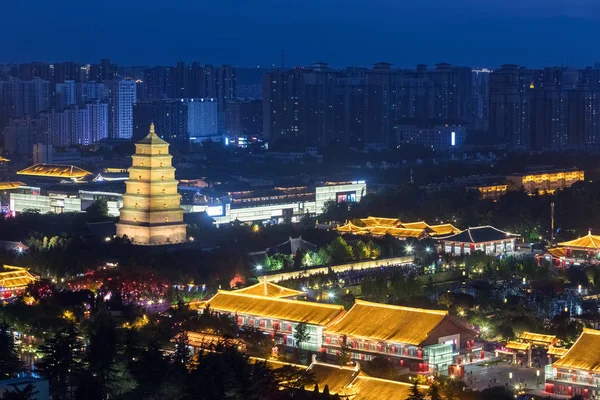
(481, 97)
(244, 117)
(122, 97)
(202, 119)
(21, 134)
(91, 91)
(65, 94)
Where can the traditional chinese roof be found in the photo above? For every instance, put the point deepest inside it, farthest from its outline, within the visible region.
(397, 232)
(377, 221)
(368, 388)
(15, 277)
(557, 252)
(268, 289)
(517, 346)
(538, 338)
(55, 171)
(152, 138)
(584, 354)
(351, 228)
(2, 159)
(588, 242)
(416, 225)
(10, 185)
(443, 229)
(479, 234)
(335, 377)
(275, 308)
(384, 322)
(207, 340)
(557, 351)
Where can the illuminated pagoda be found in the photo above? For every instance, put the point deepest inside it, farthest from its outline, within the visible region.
(419, 339)
(151, 212)
(577, 372)
(583, 249)
(378, 226)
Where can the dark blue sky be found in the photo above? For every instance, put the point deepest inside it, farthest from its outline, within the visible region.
(341, 32)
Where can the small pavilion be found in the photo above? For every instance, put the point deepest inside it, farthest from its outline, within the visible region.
(526, 342)
(580, 250)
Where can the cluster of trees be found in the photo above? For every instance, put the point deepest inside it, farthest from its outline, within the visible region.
(393, 285)
(337, 251)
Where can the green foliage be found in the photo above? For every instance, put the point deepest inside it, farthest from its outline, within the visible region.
(278, 262)
(181, 357)
(97, 211)
(62, 362)
(434, 392)
(301, 334)
(415, 393)
(10, 364)
(381, 367)
(340, 251)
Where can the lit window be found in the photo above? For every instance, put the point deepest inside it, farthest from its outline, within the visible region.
(139, 177)
(162, 177)
(165, 205)
(137, 205)
(166, 219)
(163, 191)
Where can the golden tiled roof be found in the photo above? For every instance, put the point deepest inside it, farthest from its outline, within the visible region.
(15, 277)
(275, 308)
(377, 221)
(415, 225)
(335, 377)
(152, 138)
(557, 252)
(586, 242)
(368, 388)
(10, 185)
(443, 229)
(351, 228)
(557, 351)
(517, 346)
(54, 171)
(583, 354)
(2, 159)
(197, 305)
(538, 338)
(374, 321)
(397, 232)
(268, 289)
(207, 340)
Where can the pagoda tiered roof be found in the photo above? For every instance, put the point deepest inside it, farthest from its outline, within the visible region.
(584, 354)
(15, 277)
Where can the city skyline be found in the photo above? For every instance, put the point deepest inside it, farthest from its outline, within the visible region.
(461, 33)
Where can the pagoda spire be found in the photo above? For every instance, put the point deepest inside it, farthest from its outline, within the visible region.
(152, 128)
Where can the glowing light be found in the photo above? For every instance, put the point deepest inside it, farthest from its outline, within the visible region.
(255, 228)
(428, 249)
(107, 239)
(330, 295)
(191, 239)
(409, 249)
(19, 249)
(259, 267)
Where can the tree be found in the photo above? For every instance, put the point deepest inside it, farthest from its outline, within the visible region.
(434, 392)
(414, 393)
(61, 362)
(345, 351)
(301, 334)
(381, 367)
(181, 357)
(340, 251)
(98, 210)
(27, 393)
(149, 371)
(10, 363)
(446, 300)
(361, 251)
(99, 359)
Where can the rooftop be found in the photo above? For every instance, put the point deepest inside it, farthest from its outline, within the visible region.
(55, 171)
(369, 388)
(275, 308)
(152, 138)
(374, 321)
(583, 354)
(10, 185)
(268, 289)
(586, 242)
(479, 234)
(335, 377)
(15, 277)
(538, 338)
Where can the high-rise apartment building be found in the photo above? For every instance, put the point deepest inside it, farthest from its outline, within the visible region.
(244, 117)
(122, 97)
(65, 94)
(179, 121)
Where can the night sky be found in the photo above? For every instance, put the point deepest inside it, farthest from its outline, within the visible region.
(349, 32)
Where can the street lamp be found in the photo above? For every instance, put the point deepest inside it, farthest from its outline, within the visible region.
(259, 267)
(537, 373)
(510, 378)
(330, 295)
(428, 249)
(409, 249)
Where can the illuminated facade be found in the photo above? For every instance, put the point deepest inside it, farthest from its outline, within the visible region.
(577, 372)
(378, 226)
(481, 238)
(422, 340)
(545, 182)
(151, 213)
